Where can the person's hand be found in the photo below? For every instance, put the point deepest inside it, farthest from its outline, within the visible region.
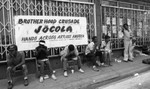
(14, 69)
(95, 44)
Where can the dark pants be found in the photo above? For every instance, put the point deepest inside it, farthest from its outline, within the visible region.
(100, 56)
(10, 71)
(93, 57)
(42, 64)
(65, 60)
(107, 57)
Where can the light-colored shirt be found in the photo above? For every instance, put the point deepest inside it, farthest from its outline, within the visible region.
(65, 52)
(127, 35)
(106, 46)
(90, 47)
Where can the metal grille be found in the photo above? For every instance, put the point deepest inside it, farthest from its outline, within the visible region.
(10, 8)
(115, 15)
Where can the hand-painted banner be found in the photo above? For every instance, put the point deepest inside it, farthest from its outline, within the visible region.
(56, 31)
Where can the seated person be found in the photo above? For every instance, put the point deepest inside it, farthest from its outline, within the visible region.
(42, 59)
(133, 46)
(106, 48)
(92, 52)
(70, 53)
(15, 61)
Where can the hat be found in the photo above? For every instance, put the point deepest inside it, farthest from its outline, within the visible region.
(42, 42)
(12, 47)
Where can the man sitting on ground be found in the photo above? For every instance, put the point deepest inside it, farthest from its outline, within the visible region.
(70, 53)
(42, 59)
(15, 61)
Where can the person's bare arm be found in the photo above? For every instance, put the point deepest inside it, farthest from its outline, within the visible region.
(22, 60)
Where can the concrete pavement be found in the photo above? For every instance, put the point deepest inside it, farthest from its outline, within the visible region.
(79, 80)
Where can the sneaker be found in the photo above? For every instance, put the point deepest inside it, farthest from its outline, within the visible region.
(41, 79)
(10, 85)
(46, 76)
(98, 63)
(26, 83)
(80, 70)
(65, 74)
(130, 60)
(95, 68)
(53, 77)
(103, 64)
(72, 71)
(125, 61)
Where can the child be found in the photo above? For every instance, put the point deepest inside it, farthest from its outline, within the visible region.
(106, 48)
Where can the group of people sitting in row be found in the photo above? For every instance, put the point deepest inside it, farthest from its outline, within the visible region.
(93, 51)
(98, 54)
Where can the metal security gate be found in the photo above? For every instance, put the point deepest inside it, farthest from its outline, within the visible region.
(10, 8)
(115, 14)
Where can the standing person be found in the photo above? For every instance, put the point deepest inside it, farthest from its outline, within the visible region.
(70, 53)
(15, 61)
(42, 59)
(106, 48)
(127, 43)
(92, 54)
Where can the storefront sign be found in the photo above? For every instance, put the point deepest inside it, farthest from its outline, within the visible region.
(56, 31)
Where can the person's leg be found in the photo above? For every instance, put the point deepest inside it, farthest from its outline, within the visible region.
(92, 57)
(126, 50)
(106, 57)
(9, 73)
(41, 63)
(64, 64)
(130, 52)
(99, 54)
(49, 66)
(9, 77)
(64, 60)
(109, 58)
(79, 64)
(25, 72)
(51, 70)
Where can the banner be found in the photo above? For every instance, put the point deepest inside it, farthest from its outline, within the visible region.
(57, 31)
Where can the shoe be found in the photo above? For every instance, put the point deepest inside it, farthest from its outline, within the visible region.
(72, 71)
(130, 60)
(41, 79)
(80, 70)
(110, 64)
(46, 77)
(26, 83)
(65, 74)
(53, 77)
(125, 61)
(95, 68)
(104, 65)
(98, 63)
(10, 85)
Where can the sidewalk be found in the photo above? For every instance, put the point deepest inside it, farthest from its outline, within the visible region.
(78, 80)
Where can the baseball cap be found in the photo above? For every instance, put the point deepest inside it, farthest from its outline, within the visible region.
(12, 47)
